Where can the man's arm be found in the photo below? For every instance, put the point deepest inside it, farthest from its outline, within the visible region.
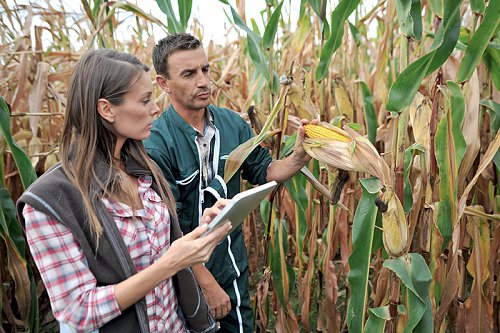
(282, 170)
(217, 299)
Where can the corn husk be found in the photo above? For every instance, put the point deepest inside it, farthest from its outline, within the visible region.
(353, 153)
(394, 225)
(342, 100)
(299, 98)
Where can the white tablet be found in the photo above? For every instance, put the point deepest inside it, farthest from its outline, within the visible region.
(241, 205)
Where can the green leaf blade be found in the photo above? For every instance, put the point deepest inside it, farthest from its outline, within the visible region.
(272, 28)
(479, 41)
(359, 260)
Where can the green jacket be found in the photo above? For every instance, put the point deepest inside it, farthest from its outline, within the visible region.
(172, 145)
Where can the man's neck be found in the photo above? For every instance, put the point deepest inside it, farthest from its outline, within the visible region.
(195, 118)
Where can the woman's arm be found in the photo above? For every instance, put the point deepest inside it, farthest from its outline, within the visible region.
(185, 252)
(75, 298)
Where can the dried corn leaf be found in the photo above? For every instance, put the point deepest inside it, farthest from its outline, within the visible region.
(470, 129)
(479, 310)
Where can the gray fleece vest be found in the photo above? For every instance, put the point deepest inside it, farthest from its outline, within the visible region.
(54, 195)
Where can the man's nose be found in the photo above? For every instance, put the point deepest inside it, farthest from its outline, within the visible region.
(203, 80)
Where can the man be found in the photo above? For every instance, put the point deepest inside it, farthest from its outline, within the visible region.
(191, 142)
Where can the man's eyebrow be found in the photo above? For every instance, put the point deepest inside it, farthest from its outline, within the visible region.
(191, 70)
(187, 70)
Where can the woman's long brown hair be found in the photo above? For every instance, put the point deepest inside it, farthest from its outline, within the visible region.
(106, 74)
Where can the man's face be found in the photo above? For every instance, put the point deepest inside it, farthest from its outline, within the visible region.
(188, 84)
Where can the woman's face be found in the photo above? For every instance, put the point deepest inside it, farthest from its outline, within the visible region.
(133, 118)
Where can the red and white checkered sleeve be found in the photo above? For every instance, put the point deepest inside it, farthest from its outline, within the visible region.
(75, 298)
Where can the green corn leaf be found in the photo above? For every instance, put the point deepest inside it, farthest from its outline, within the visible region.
(378, 241)
(319, 7)
(477, 6)
(406, 85)
(23, 163)
(34, 316)
(257, 56)
(479, 41)
(410, 153)
(494, 125)
(238, 156)
(450, 148)
(410, 18)
(8, 221)
(11, 231)
(415, 275)
(302, 7)
(296, 189)
(316, 6)
(338, 17)
(494, 114)
(255, 26)
(224, 2)
(254, 47)
(282, 273)
(355, 33)
(369, 111)
(174, 25)
(271, 28)
(437, 7)
(491, 59)
(359, 260)
(240, 23)
(19, 270)
(378, 317)
(184, 12)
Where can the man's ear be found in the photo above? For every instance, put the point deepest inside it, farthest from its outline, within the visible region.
(104, 107)
(163, 83)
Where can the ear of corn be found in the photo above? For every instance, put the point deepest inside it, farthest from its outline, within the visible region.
(347, 150)
(395, 234)
(322, 132)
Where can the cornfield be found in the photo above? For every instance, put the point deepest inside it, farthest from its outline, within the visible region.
(394, 226)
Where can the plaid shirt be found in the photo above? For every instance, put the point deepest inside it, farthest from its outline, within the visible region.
(74, 296)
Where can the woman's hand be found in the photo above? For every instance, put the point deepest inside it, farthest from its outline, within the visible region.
(193, 249)
(187, 251)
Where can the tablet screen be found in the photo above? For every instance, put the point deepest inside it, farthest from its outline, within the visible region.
(241, 205)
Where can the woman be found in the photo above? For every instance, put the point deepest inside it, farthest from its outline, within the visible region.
(101, 225)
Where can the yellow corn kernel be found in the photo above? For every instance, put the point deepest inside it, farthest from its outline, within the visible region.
(317, 132)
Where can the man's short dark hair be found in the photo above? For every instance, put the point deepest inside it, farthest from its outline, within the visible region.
(168, 45)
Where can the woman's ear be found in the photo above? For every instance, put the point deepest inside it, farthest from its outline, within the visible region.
(163, 83)
(104, 107)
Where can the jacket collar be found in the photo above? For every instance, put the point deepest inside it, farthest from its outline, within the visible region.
(182, 124)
